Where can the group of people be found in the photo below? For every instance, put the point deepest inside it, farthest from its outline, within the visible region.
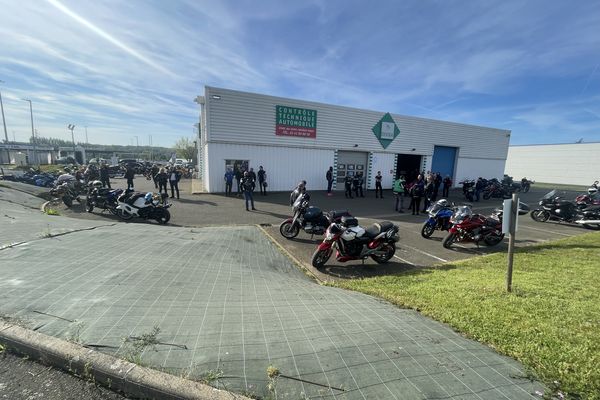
(162, 175)
(246, 183)
(424, 188)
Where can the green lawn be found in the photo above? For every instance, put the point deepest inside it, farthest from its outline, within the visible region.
(551, 321)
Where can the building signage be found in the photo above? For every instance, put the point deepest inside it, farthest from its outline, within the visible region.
(385, 130)
(293, 121)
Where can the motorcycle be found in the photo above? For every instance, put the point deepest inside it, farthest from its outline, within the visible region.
(66, 192)
(310, 219)
(495, 190)
(439, 218)
(468, 188)
(589, 199)
(353, 242)
(103, 198)
(469, 227)
(526, 185)
(145, 206)
(554, 207)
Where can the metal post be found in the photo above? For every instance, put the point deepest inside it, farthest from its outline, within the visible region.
(71, 127)
(514, 209)
(4, 123)
(86, 136)
(33, 133)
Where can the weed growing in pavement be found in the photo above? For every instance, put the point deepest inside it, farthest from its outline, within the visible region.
(52, 211)
(272, 374)
(136, 345)
(75, 334)
(211, 376)
(2, 348)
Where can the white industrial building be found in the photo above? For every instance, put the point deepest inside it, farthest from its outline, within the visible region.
(295, 139)
(574, 163)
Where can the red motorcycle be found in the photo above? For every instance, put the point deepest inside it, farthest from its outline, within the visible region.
(469, 227)
(353, 242)
(589, 199)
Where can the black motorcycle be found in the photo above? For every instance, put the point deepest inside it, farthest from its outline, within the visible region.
(554, 207)
(310, 219)
(103, 198)
(526, 185)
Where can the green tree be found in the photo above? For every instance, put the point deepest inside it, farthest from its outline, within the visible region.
(185, 148)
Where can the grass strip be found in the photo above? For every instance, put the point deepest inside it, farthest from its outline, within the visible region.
(550, 322)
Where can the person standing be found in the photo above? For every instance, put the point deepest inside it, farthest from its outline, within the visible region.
(429, 192)
(129, 175)
(478, 188)
(379, 188)
(247, 188)
(436, 185)
(329, 177)
(447, 185)
(174, 177)
(398, 190)
(358, 184)
(262, 180)
(252, 176)
(162, 179)
(228, 181)
(154, 171)
(238, 178)
(104, 178)
(348, 186)
(417, 192)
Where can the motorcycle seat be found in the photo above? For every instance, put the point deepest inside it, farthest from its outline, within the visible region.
(337, 214)
(377, 228)
(130, 200)
(491, 221)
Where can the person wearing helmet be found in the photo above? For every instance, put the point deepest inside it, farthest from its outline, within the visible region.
(97, 184)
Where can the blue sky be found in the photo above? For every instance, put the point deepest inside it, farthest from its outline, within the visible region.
(132, 68)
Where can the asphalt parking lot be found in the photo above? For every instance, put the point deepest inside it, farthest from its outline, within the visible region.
(412, 250)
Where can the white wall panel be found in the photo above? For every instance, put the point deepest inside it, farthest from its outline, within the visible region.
(240, 117)
(285, 166)
(475, 167)
(577, 163)
(383, 162)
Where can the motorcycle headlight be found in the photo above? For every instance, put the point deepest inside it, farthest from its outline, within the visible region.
(329, 235)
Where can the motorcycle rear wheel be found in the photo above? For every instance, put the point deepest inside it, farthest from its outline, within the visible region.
(68, 201)
(390, 251)
(493, 240)
(288, 230)
(124, 215)
(320, 257)
(594, 227)
(427, 230)
(526, 189)
(89, 207)
(163, 217)
(540, 215)
(449, 240)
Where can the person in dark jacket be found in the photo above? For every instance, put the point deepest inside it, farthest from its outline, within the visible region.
(129, 175)
(262, 180)
(228, 181)
(479, 185)
(174, 177)
(329, 177)
(348, 186)
(378, 187)
(154, 171)
(252, 176)
(104, 178)
(238, 178)
(162, 179)
(358, 184)
(447, 186)
(417, 191)
(247, 188)
(429, 192)
(436, 183)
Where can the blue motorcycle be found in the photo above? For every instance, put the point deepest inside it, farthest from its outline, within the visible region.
(439, 218)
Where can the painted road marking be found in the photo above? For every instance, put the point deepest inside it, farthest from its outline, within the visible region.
(403, 260)
(425, 253)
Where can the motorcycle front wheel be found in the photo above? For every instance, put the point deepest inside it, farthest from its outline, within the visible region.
(526, 189)
(390, 250)
(89, 207)
(124, 215)
(540, 215)
(320, 257)
(289, 230)
(449, 240)
(163, 217)
(427, 230)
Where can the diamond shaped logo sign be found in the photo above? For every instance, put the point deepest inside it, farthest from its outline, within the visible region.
(386, 130)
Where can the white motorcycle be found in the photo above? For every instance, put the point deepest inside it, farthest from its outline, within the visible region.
(145, 206)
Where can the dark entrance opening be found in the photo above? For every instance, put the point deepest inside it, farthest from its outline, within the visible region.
(408, 165)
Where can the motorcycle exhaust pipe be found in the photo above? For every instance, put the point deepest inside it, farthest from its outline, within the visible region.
(588, 221)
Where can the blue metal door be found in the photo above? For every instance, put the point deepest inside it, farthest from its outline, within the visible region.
(443, 160)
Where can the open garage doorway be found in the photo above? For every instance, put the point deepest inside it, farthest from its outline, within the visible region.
(408, 165)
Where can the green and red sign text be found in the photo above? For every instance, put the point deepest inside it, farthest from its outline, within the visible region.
(293, 121)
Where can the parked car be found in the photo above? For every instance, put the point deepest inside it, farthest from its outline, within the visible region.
(66, 160)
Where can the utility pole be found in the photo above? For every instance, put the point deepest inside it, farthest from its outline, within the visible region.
(86, 136)
(32, 132)
(4, 123)
(137, 143)
(151, 149)
(71, 127)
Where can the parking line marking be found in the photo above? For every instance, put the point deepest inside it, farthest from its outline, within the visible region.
(545, 231)
(425, 253)
(403, 260)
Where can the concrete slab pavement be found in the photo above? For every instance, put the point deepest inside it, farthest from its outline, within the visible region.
(232, 302)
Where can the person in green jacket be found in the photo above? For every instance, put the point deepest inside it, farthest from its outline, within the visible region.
(398, 189)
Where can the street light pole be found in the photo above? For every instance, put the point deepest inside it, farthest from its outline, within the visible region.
(4, 123)
(35, 156)
(71, 127)
(86, 136)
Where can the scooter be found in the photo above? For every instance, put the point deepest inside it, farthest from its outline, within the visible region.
(310, 219)
(145, 206)
(353, 242)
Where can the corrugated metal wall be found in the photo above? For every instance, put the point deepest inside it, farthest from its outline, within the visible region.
(240, 117)
(577, 163)
(285, 166)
